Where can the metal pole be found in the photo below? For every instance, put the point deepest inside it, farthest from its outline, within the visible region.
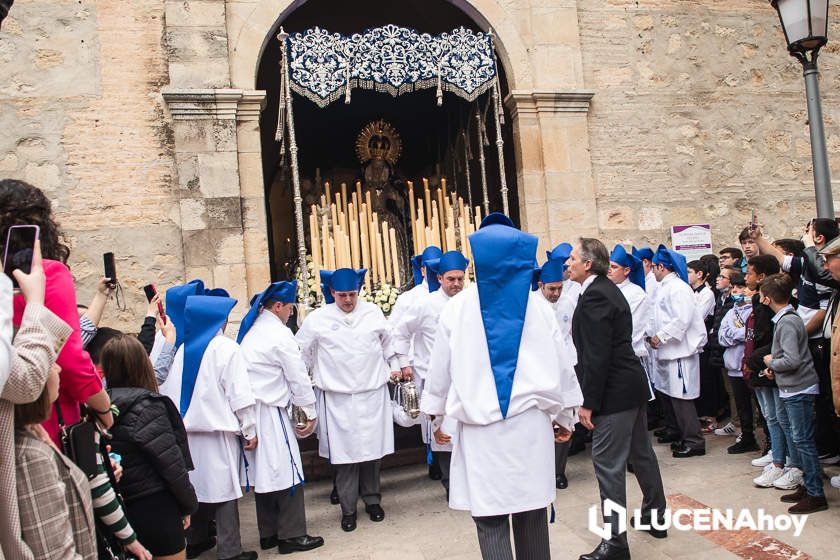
(819, 155)
(500, 147)
(293, 149)
(479, 127)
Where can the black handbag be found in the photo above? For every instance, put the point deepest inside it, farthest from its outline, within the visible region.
(78, 442)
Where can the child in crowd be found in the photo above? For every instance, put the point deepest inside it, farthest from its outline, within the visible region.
(791, 365)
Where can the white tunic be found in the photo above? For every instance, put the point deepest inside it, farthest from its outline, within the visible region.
(640, 308)
(651, 286)
(676, 321)
(278, 377)
(417, 328)
(501, 465)
(407, 299)
(222, 408)
(705, 301)
(349, 355)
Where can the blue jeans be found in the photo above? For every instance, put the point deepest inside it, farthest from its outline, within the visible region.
(778, 424)
(800, 410)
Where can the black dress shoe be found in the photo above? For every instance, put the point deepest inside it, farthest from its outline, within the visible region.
(269, 542)
(195, 550)
(375, 512)
(334, 496)
(657, 533)
(668, 437)
(561, 482)
(605, 551)
(677, 445)
(348, 522)
(660, 432)
(245, 555)
(299, 544)
(687, 452)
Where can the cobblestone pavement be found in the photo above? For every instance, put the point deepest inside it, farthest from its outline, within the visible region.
(420, 526)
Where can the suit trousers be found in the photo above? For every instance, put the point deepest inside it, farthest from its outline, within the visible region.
(280, 513)
(530, 536)
(618, 438)
(226, 514)
(352, 479)
(561, 456)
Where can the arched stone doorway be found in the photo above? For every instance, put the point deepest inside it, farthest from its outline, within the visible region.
(432, 136)
(214, 50)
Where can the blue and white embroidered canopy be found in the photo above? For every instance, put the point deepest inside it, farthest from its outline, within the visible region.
(325, 66)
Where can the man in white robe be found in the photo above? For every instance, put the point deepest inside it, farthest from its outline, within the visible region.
(552, 284)
(278, 378)
(209, 383)
(417, 328)
(419, 267)
(347, 346)
(677, 332)
(499, 368)
(627, 272)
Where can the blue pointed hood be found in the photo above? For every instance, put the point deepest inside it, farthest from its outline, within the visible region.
(504, 260)
(203, 317)
(341, 280)
(645, 253)
(561, 252)
(451, 260)
(176, 299)
(417, 269)
(672, 261)
(553, 271)
(621, 257)
(285, 292)
(431, 254)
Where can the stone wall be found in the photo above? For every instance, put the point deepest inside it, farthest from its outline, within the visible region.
(699, 116)
(82, 118)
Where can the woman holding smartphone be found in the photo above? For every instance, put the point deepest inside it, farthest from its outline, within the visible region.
(23, 204)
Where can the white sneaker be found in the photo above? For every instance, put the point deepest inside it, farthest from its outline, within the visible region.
(770, 475)
(763, 461)
(728, 430)
(791, 478)
(835, 481)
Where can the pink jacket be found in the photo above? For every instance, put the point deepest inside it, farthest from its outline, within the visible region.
(79, 379)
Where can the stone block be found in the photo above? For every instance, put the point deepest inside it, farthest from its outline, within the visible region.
(227, 246)
(232, 277)
(534, 218)
(45, 176)
(195, 13)
(224, 212)
(193, 214)
(198, 248)
(254, 214)
(650, 218)
(257, 276)
(212, 73)
(218, 174)
(616, 217)
(572, 219)
(187, 166)
(555, 25)
(194, 44)
(248, 136)
(250, 175)
(528, 141)
(8, 163)
(256, 247)
(194, 136)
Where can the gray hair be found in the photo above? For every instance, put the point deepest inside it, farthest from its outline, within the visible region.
(594, 251)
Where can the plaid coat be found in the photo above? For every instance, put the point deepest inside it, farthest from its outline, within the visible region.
(56, 513)
(40, 337)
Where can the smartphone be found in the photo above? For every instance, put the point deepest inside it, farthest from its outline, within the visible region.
(151, 291)
(753, 224)
(110, 268)
(20, 247)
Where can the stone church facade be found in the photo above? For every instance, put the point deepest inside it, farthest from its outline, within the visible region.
(142, 122)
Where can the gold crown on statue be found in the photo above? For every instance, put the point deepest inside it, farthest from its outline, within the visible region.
(378, 140)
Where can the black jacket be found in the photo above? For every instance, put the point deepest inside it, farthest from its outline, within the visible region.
(610, 375)
(150, 436)
(713, 347)
(762, 341)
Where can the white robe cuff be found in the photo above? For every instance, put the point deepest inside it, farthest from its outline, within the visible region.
(567, 418)
(432, 405)
(247, 421)
(310, 412)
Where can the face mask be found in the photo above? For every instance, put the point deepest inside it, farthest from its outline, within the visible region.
(738, 298)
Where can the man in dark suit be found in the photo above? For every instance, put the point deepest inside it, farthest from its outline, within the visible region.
(615, 394)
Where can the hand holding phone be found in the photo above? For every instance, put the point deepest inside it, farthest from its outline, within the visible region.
(154, 298)
(110, 268)
(20, 246)
(32, 285)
